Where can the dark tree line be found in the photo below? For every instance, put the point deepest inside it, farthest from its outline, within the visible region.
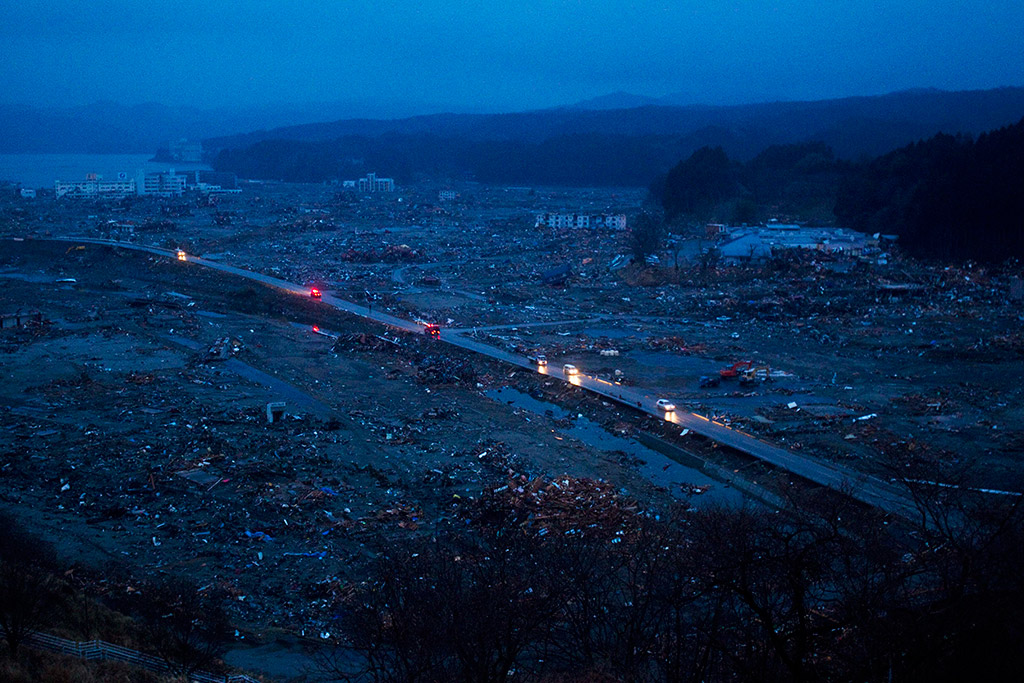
(588, 159)
(708, 185)
(950, 197)
(828, 594)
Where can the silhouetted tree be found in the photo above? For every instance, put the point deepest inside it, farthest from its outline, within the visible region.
(460, 607)
(949, 197)
(187, 627)
(645, 235)
(697, 184)
(28, 589)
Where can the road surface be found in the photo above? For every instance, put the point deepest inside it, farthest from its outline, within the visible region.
(862, 487)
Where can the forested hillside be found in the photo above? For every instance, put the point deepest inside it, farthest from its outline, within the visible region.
(949, 197)
(795, 182)
(605, 147)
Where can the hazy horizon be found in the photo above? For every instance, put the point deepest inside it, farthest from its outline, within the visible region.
(403, 110)
(429, 57)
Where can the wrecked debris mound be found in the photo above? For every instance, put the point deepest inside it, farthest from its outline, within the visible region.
(438, 370)
(362, 341)
(565, 505)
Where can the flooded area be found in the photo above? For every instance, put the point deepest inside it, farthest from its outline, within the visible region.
(689, 483)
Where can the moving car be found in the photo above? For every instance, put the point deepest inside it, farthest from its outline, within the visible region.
(432, 330)
(182, 256)
(540, 360)
(315, 293)
(666, 405)
(570, 370)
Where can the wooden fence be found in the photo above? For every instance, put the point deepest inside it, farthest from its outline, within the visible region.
(99, 649)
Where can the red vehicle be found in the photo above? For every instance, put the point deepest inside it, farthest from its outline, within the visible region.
(315, 293)
(432, 330)
(735, 369)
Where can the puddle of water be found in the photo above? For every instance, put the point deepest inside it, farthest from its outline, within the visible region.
(679, 479)
(283, 661)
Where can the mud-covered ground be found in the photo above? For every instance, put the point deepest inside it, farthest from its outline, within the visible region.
(133, 428)
(134, 435)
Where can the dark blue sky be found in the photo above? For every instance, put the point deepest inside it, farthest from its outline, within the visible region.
(432, 54)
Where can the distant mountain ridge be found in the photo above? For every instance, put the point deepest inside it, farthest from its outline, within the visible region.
(852, 126)
(630, 138)
(112, 128)
(615, 100)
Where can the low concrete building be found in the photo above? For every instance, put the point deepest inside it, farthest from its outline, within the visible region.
(753, 243)
(168, 184)
(94, 186)
(581, 220)
(185, 151)
(745, 249)
(371, 183)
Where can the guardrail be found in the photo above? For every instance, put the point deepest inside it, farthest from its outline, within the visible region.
(100, 649)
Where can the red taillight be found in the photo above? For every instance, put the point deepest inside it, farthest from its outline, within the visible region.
(316, 328)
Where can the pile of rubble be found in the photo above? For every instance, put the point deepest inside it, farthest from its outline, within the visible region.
(223, 349)
(564, 505)
(675, 344)
(437, 370)
(401, 253)
(361, 341)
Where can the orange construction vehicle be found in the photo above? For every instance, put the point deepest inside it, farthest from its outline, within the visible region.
(735, 370)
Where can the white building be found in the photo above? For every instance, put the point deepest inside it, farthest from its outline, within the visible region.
(447, 195)
(95, 186)
(185, 151)
(613, 221)
(169, 184)
(747, 244)
(581, 220)
(371, 183)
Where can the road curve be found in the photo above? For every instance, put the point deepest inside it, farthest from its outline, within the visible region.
(862, 487)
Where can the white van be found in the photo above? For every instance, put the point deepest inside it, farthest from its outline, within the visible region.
(570, 370)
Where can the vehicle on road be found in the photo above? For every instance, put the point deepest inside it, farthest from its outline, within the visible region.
(182, 256)
(570, 370)
(315, 293)
(432, 330)
(540, 360)
(666, 405)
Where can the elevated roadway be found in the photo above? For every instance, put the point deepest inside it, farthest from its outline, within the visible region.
(865, 488)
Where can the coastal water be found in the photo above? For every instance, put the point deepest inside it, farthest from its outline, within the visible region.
(41, 170)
